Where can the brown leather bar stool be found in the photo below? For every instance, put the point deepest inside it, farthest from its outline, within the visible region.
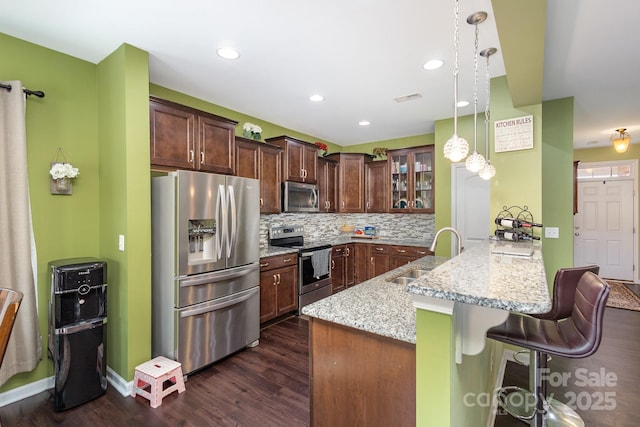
(9, 304)
(565, 283)
(575, 337)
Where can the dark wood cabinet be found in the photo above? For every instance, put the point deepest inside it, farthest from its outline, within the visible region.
(379, 259)
(351, 181)
(186, 138)
(401, 255)
(299, 159)
(278, 286)
(360, 261)
(412, 179)
(349, 265)
(261, 161)
(338, 282)
(376, 187)
(328, 184)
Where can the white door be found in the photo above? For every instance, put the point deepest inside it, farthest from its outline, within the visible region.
(470, 205)
(603, 227)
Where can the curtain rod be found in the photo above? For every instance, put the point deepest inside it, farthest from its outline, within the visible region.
(38, 93)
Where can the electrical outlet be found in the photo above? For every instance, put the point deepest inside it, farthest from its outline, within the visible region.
(552, 232)
(121, 242)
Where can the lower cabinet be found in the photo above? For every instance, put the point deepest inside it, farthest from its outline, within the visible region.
(379, 260)
(338, 281)
(278, 286)
(401, 255)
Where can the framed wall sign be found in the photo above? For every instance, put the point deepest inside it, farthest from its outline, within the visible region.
(513, 134)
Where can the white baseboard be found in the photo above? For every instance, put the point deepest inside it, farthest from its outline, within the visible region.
(31, 389)
(27, 390)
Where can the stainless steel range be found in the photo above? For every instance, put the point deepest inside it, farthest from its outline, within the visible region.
(314, 262)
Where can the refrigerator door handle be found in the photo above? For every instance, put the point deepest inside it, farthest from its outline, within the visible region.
(218, 276)
(231, 240)
(221, 220)
(223, 303)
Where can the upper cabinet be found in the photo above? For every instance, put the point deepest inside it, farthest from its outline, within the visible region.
(412, 179)
(299, 159)
(186, 138)
(376, 187)
(328, 184)
(351, 181)
(261, 161)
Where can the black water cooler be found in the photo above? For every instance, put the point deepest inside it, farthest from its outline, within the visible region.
(78, 330)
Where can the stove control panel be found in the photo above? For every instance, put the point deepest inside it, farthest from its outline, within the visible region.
(280, 232)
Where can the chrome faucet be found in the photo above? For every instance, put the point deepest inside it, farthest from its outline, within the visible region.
(454, 231)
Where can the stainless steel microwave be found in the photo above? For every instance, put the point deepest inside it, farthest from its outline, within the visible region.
(299, 197)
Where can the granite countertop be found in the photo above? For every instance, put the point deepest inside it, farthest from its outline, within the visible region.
(341, 240)
(479, 276)
(377, 305)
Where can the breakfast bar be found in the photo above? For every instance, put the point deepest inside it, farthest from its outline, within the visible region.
(386, 336)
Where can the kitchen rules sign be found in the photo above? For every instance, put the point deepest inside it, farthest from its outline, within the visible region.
(513, 134)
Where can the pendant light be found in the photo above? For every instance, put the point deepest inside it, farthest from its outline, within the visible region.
(488, 171)
(475, 162)
(456, 148)
(620, 140)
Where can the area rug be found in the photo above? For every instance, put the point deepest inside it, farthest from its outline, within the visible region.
(622, 297)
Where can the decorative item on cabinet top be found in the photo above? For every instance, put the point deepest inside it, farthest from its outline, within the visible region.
(251, 131)
(323, 148)
(62, 172)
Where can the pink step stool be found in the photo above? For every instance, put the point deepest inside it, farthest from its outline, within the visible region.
(154, 373)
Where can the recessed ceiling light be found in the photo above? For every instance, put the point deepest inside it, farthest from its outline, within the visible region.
(408, 97)
(462, 103)
(434, 64)
(316, 98)
(228, 53)
(364, 123)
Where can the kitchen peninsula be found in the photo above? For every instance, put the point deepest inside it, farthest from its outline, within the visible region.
(365, 342)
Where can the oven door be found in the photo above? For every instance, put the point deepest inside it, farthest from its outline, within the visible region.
(314, 269)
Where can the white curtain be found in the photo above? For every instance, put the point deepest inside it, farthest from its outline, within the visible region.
(16, 245)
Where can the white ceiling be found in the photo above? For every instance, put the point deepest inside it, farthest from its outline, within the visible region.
(359, 54)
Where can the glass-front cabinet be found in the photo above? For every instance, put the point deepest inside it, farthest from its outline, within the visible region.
(412, 179)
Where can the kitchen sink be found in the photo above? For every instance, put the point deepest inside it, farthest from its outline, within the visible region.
(415, 273)
(403, 280)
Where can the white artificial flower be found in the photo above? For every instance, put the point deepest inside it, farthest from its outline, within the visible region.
(63, 170)
(256, 129)
(248, 126)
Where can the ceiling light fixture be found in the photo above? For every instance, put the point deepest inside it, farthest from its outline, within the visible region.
(488, 171)
(228, 53)
(316, 98)
(364, 123)
(434, 64)
(475, 162)
(621, 140)
(456, 148)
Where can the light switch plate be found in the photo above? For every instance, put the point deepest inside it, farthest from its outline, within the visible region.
(552, 232)
(121, 242)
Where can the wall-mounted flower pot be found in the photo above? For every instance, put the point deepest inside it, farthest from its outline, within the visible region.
(61, 186)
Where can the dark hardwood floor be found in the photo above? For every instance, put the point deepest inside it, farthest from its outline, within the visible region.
(604, 388)
(263, 386)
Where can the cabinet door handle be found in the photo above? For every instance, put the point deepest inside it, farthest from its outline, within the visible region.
(379, 249)
(202, 157)
(401, 251)
(348, 252)
(371, 261)
(422, 252)
(264, 264)
(190, 156)
(343, 203)
(333, 264)
(368, 205)
(261, 202)
(275, 280)
(278, 278)
(286, 260)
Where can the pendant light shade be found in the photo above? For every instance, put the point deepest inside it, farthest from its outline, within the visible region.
(620, 140)
(488, 171)
(456, 148)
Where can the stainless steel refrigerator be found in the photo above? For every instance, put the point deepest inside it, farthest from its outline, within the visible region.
(205, 266)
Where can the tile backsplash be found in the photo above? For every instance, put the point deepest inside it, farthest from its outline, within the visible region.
(325, 225)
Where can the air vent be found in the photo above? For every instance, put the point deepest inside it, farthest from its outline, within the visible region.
(408, 97)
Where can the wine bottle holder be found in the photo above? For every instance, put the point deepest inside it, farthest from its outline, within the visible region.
(522, 214)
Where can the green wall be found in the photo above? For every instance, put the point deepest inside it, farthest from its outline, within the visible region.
(125, 204)
(557, 183)
(65, 226)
